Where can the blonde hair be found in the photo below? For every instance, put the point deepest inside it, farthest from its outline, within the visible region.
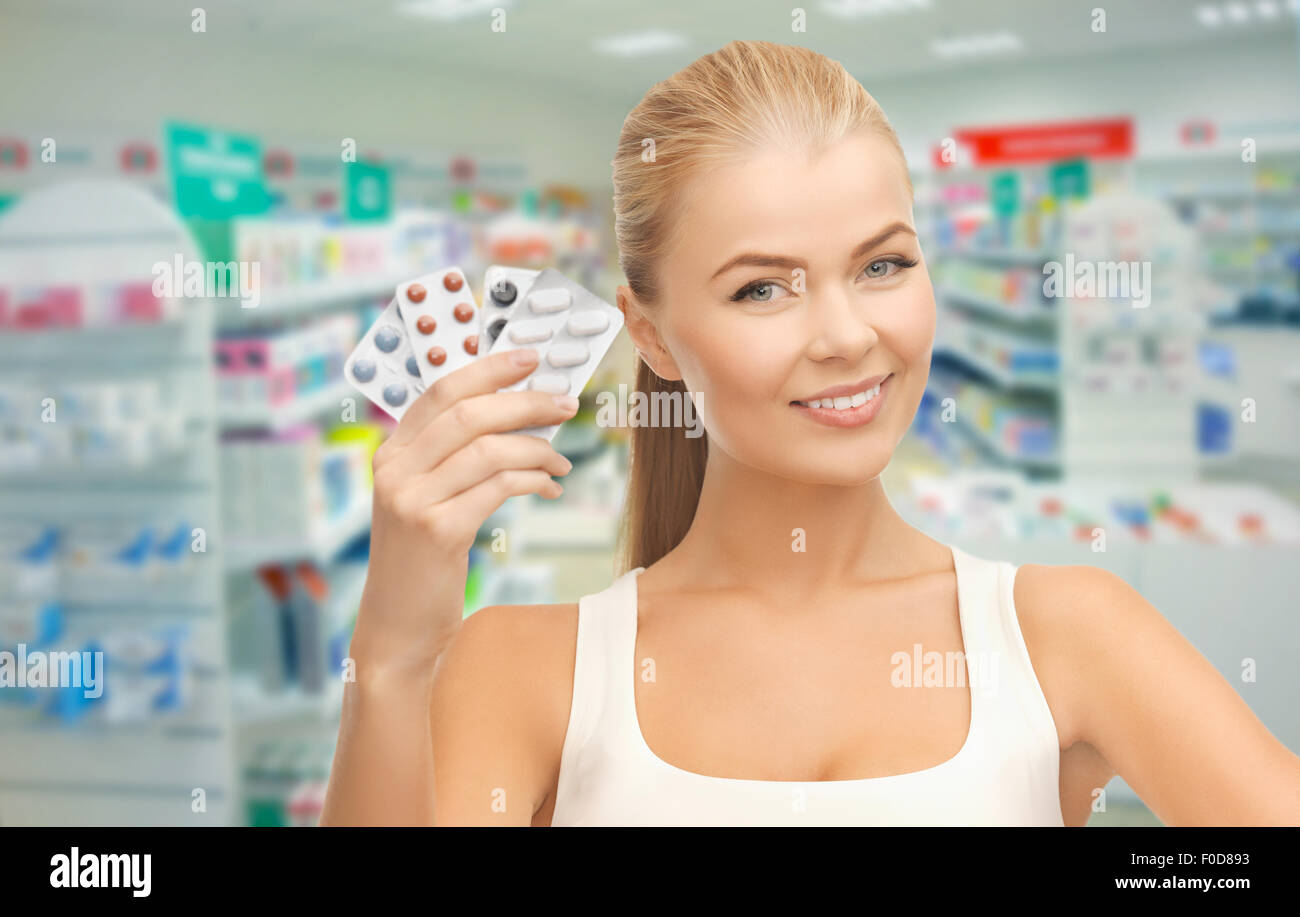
(746, 95)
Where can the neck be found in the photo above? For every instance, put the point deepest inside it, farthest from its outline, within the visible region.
(757, 531)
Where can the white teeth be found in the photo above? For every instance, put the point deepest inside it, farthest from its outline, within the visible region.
(845, 402)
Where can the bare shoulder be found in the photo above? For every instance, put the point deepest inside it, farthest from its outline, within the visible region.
(500, 707)
(520, 656)
(1068, 616)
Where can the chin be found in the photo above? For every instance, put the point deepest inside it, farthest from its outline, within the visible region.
(806, 463)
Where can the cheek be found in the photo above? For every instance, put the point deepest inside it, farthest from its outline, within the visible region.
(739, 363)
(908, 330)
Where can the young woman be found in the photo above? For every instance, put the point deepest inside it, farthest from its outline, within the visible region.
(750, 664)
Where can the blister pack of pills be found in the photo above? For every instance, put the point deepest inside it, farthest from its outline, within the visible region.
(441, 325)
(503, 287)
(383, 366)
(570, 327)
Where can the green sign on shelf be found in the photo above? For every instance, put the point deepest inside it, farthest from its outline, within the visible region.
(1069, 179)
(367, 191)
(215, 175)
(1004, 193)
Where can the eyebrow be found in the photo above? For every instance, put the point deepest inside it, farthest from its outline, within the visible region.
(760, 260)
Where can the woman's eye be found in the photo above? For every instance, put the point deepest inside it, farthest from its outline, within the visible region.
(887, 268)
(759, 291)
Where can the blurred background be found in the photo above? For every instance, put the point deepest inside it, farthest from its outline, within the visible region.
(184, 480)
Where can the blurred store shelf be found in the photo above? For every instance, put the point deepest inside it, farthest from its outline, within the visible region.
(998, 255)
(293, 302)
(1019, 312)
(321, 547)
(252, 706)
(1002, 375)
(279, 417)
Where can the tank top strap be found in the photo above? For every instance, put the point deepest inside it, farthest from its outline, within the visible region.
(996, 650)
(603, 664)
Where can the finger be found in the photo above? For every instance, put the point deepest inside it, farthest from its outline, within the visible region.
(482, 415)
(467, 511)
(478, 377)
(488, 455)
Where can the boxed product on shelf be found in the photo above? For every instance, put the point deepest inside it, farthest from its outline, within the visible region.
(35, 307)
(100, 423)
(269, 369)
(272, 484)
(367, 437)
(124, 559)
(285, 783)
(1003, 505)
(152, 670)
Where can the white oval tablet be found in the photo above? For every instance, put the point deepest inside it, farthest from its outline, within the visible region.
(528, 332)
(591, 321)
(551, 383)
(568, 355)
(546, 301)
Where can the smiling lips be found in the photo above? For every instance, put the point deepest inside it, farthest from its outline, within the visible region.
(846, 405)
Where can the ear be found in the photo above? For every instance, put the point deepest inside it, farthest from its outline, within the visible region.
(645, 336)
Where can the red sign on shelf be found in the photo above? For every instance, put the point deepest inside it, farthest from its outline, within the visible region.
(277, 163)
(462, 169)
(1024, 143)
(138, 157)
(1197, 132)
(13, 153)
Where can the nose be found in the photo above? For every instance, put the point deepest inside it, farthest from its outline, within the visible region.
(839, 328)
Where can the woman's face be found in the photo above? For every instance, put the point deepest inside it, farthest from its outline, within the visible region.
(793, 289)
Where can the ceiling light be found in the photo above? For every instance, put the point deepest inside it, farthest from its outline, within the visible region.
(449, 10)
(858, 9)
(1237, 12)
(1267, 9)
(635, 44)
(976, 45)
(1209, 16)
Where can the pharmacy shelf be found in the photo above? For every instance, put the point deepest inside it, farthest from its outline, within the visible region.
(1020, 313)
(998, 255)
(1012, 380)
(987, 441)
(322, 547)
(294, 301)
(90, 771)
(279, 417)
(252, 707)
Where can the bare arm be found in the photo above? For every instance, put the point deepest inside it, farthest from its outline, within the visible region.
(499, 713)
(1153, 706)
(449, 464)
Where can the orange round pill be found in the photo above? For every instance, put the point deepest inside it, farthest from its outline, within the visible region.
(471, 345)
(425, 324)
(463, 312)
(437, 356)
(415, 292)
(453, 282)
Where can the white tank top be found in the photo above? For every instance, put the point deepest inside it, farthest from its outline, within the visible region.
(1005, 774)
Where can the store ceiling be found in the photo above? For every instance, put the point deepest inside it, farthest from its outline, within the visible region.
(552, 42)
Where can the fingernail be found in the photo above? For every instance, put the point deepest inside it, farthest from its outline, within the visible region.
(524, 356)
(567, 402)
